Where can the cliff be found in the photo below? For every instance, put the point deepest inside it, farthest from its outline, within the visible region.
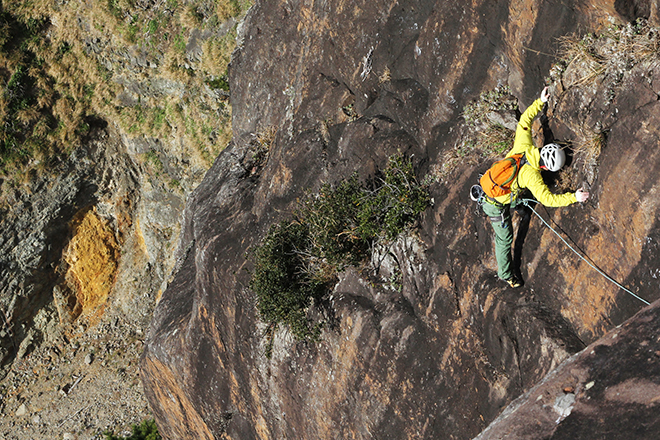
(337, 88)
(110, 114)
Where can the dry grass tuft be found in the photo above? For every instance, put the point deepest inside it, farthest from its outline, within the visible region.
(582, 52)
(385, 77)
(487, 144)
(600, 63)
(586, 148)
(267, 136)
(618, 48)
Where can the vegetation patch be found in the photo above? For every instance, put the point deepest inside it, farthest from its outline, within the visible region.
(299, 258)
(609, 54)
(38, 115)
(57, 64)
(477, 114)
(599, 62)
(147, 430)
(484, 135)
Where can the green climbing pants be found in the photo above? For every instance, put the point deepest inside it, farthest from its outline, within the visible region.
(500, 219)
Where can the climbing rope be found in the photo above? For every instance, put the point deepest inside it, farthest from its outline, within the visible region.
(526, 202)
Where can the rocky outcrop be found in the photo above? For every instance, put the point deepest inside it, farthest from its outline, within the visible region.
(608, 390)
(84, 227)
(82, 256)
(344, 86)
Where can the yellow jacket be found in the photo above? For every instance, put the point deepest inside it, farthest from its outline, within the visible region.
(529, 175)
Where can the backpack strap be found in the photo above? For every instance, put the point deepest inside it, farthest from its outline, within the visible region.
(523, 161)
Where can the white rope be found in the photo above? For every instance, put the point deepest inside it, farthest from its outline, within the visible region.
(526, 203)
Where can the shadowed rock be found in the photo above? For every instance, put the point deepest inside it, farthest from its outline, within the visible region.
(610, 390)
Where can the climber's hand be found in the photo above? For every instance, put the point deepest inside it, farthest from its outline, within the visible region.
(581, 195)
(545, 95)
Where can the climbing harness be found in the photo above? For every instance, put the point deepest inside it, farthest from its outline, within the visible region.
(477, 194)
(501, 219)
(527, 202)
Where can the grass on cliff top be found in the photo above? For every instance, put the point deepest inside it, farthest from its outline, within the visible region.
(299, 258)
(38, 116)
(62, 66)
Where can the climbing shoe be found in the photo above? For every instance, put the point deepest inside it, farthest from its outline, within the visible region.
(514, 282)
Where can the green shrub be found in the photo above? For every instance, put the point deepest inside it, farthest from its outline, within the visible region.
(335, 228)
(219, 83)
(395, 203)
(147, 430)
(284, 288)
(332, 217)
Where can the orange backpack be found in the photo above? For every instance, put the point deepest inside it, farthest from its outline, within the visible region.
(498, 179)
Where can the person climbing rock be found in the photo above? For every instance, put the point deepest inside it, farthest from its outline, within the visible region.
(527, 175)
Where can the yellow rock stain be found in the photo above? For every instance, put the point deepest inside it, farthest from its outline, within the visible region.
(93, 257)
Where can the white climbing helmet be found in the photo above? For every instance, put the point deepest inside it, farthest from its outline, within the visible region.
(553, 157)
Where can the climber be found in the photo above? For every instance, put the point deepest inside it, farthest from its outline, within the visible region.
(550, 158)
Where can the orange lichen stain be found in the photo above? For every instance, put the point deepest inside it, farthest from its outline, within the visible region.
(211, 328)
(139, 239)
(262, 428)
(340, 5)
(519, 30)
(442, 285)
(490, 300)
(310, 22)
(459, 341)
(93, 257)
(377, 389)
(183, 420)
(281, 180)
(258, 420)
(336, 378)
(236, 393)
(624, 219)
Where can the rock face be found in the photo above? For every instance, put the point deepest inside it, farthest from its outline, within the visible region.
(344, 86)
(609, 390)
(77, 234)
(79, 247)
